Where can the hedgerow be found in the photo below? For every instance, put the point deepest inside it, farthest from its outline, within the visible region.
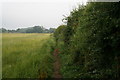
(91, 41)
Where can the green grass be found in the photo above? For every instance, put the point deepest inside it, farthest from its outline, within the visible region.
(26, 55)
(0, 56)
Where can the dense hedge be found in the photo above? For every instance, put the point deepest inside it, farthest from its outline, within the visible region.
(91, 41)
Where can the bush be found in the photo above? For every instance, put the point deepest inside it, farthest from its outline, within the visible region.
(92, 38)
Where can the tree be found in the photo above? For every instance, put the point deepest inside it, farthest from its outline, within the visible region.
(51, 30)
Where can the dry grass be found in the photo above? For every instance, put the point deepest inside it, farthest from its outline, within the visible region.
(24, 55)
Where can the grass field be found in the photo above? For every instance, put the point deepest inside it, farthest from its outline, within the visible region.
(26, 55)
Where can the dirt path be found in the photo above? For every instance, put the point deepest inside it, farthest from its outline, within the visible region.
(56, 73)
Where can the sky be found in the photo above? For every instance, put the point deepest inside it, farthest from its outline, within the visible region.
(29, 13)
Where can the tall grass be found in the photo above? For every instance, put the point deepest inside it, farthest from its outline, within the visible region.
(26, 56)
(0, 56)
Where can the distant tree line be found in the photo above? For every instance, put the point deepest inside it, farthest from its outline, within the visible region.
(35, 29)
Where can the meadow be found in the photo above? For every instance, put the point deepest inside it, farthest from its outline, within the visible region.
(26, 55)
(88, 46)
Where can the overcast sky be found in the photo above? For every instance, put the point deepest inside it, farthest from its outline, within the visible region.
(28, 13)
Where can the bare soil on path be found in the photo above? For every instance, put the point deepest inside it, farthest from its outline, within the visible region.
(56, 64)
